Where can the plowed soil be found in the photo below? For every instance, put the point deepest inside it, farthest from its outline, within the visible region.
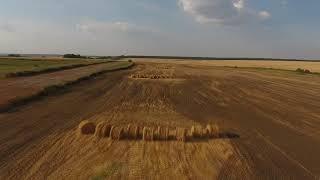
(276, 115)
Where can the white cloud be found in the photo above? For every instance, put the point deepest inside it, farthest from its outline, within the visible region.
(84, 37)
(264, 14)
(98, 27)
(222, 11)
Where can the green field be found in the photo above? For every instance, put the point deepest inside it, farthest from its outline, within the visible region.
(10, 65)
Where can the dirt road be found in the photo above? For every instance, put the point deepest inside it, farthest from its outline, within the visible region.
(276, 115)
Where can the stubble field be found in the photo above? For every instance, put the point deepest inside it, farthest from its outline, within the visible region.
(275, 115)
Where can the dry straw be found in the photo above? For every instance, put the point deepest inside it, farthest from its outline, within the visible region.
(99, 129)
(121, 134)
(117, 133)
(127, 131)
(215, 131)
(161, 133)
(147, 134)
(172, 134)
(152, 134)
(112, 132)
(86, 127)
(144, 133)
(196, 132)
(136, 132)
(181, 134)
(102, 130)
(106, 130)
(132, 132)
(166, 133)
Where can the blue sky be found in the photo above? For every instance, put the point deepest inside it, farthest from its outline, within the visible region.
(220, 28)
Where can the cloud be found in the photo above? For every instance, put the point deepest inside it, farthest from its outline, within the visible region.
(89, 37)
(264, 14)
(222, 11)
(97, 27)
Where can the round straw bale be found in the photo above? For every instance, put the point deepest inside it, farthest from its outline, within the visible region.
(99, 129)
(137, 133)
(127, 131)
(152, 134)
(86, 127)
(172, 134)
(209, 130)
(160, 133)
(132, 132)
(181, 134)
(215, 131)
(147, 134)
(193, 132)
(106, 130)
(117, 133)
(112, 132)
(140, 132)
(144, 134)
(205, 133)
(167, 133)
(121, 134)
(199, 132)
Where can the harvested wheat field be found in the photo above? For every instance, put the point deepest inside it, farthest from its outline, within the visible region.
(169, 120)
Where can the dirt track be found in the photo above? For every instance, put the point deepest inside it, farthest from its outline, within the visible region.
(277, 117)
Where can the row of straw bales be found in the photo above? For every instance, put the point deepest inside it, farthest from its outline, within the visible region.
(133, 132)
(144, 76)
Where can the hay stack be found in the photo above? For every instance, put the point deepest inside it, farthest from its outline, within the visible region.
(181, 134)
(99, 130)
(127, 131)
(172, 134)
(161, 134)
(211, 131)
(117, 133)
(112, 134)
(137, 132)
(152, 135)
(144, 134)
(147, 134)
(196, 132)
(215, 131)
(193, 132)
(166, 133)
(121, 134)
(106, 130)
(132, 132)
(86, 127)
(102, 130)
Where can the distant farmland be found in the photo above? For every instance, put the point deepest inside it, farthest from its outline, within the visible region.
(12, 65)
(313, 66)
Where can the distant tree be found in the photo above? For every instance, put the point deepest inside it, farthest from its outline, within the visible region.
(104, 57)
(73, 56)
(14, 55)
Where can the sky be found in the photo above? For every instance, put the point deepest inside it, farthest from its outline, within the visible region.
(208, 28)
